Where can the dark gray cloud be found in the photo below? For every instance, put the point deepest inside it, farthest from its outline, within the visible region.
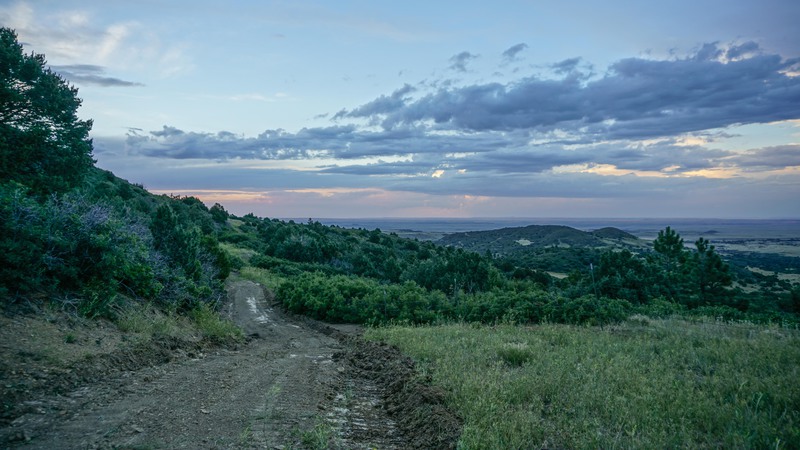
(511, 53)
(664, 157)
(777, 157)
(89, 74)
(381, 105)
(637, 99)
(413, 176)
(340, 142)
(459, 62)
(404, 168)
(566, 66)
(743, 50)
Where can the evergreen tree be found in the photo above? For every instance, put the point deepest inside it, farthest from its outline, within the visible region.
(218, 213)
(669, 244)
(672, 257)
(43, 144)
(709, 272)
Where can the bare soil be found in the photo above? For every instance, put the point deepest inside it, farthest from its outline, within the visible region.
(297, 383)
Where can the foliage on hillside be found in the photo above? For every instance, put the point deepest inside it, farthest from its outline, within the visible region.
(90, 246)
(357, 275)
(78, 234)
(520, 240)
(551, 248)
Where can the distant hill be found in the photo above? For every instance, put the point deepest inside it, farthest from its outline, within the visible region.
(614, 233)
(545, 247)
(512, 240)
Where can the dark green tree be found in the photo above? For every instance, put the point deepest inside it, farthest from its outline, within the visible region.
(671, 258)
(218, 213)
(626, 276)
(669, 244)
(710, 273)
(43, 144)
(179, 244)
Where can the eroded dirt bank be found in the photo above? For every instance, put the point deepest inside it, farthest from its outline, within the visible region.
(296, 384)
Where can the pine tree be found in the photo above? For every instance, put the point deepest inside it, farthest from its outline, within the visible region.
(43, 144)
(672, 256)
(710, 273)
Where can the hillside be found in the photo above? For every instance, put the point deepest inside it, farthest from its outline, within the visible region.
(554, 248)
(507, 241)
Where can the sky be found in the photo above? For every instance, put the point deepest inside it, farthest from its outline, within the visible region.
(552, 108)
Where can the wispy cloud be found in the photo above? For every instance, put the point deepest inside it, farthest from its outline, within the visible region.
(76, 38)
(510, 54)
(459, 61)
(91, 74)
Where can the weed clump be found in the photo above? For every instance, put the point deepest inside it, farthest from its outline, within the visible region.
(515, 354)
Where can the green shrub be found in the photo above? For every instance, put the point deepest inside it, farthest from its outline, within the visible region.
(661, 308)
(587, 310)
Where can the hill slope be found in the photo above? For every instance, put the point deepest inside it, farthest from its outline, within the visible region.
(554, 248)
(507, 241)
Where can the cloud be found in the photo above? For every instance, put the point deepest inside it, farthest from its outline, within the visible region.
(776, 157)
(566, 66)
(636, 99)
(381, 105)
(510, 54)
(645, 128)
(459, 62)
(633, 120)
(73, 38)
(91, 75)
(344, 142)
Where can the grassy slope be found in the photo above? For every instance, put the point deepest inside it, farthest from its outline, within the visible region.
(644, 384)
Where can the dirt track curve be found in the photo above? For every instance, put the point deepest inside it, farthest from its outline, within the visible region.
(296, 384)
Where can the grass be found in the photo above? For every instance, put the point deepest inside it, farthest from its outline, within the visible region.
(238, 252)
(264, 277)
(214, 328)
(642, 384)
(146, 322)
(319, 437)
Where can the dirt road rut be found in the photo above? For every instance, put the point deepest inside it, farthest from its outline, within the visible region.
(297, 384)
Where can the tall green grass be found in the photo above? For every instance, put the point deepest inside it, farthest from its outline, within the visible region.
(202, 322)
(642, 384)
(266, 278)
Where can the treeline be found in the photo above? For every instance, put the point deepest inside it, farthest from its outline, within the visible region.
(357, 275)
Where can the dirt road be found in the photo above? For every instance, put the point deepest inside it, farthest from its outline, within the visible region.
(296, 384)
